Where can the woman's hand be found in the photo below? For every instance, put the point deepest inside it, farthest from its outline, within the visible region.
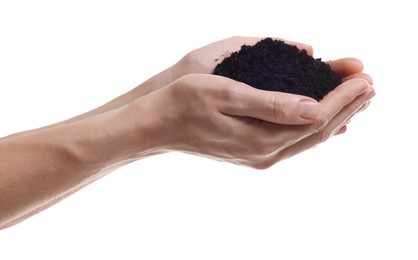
(203, 61)
(224, 119)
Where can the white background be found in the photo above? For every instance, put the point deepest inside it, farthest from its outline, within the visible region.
(353, 197)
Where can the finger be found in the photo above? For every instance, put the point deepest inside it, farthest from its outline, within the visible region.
(363, 107)
(343, 118)
(336, 101)
(275, 107)
(346, 66)
(340, 97)
(342, 130)
(360, 75)
(336, 126)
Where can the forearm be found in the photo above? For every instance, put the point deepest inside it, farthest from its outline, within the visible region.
(158, 81)
(45, 166)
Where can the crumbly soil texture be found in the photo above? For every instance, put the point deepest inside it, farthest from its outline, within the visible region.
(277, 66)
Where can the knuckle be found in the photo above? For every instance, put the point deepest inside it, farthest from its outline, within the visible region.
(320, 123)
(278, 108)
(226, 93)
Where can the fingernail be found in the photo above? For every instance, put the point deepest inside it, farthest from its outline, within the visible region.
(308, 109)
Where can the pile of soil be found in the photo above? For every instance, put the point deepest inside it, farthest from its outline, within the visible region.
(277, 66)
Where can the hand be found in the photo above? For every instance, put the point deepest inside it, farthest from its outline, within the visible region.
(224, 119)
(203, 60)
(194, 113)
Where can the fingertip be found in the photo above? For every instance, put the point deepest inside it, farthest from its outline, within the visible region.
(346, 66)
(345, 94)
(342, 130)
(355, 85)
(362, 75)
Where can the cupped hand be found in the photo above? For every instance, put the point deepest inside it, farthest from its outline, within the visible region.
(224, 119)
(204, 60)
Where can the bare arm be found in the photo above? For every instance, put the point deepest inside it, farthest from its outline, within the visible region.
(42, 167)
(198, 113)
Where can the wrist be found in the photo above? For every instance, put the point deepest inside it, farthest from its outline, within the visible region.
(98, 141)
(117, 136)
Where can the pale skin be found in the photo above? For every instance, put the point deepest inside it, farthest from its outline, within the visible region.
(184, 108)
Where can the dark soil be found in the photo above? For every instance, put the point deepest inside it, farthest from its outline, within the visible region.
(274, 65)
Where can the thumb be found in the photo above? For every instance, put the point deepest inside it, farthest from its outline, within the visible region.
(275, 107)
